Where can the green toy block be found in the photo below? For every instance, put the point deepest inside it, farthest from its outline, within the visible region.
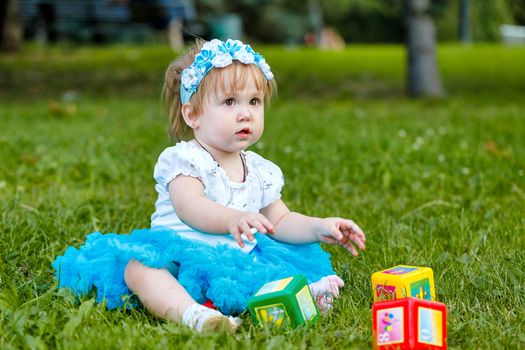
(285, 303)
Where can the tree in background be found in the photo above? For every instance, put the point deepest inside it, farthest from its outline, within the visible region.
(365, 20)
(287, 21)
(487, 17)
(517, 9)
(380, 21)
(423, 76)
(10, 26)
(464, 21)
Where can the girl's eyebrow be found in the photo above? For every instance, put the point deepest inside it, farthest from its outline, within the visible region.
(256, 93)
(221, 95)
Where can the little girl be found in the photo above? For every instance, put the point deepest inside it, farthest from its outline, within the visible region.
(220, 229)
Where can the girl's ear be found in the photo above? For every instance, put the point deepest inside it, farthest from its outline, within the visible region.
(190, 118)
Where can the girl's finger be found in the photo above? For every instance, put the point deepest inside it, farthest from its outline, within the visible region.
(358, 241)
(334, 290)
(356, 229)
(258, 226)
(334, 232)
(237, 236)
(355, 237)
(246, 229)
(267, 224)
(345, 238)
(350, 247)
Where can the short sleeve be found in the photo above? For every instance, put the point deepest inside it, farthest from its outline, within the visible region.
(271, 178)
(179, 159)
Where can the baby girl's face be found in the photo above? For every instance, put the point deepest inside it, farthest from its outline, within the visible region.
(232, 121)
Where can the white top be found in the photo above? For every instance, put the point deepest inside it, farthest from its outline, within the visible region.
(261, 188)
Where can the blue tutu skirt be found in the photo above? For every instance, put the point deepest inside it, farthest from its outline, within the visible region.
(225, 275)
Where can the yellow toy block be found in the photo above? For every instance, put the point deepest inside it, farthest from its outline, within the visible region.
(404, 281)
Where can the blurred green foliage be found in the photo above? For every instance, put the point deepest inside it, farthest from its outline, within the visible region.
(363, 20)
(517, 8)
(487, 16)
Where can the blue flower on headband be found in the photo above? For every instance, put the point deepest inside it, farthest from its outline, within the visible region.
(231, 45)
(204, 58)
(218, 54)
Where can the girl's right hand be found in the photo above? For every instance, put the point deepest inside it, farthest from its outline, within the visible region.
(243, 223)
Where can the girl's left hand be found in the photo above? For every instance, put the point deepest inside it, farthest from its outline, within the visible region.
(344, 232)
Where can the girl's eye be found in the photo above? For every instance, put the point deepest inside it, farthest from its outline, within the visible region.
(254, 101)
(229, 102)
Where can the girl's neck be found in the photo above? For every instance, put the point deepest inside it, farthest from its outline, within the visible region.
(218, 155)
(233, 163)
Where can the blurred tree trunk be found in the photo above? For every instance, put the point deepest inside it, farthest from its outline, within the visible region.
(316, 18)
(423, 75)
(464, 23)
(10, 26)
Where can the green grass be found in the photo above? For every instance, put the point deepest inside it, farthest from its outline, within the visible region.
(433, 183)
(357, 72)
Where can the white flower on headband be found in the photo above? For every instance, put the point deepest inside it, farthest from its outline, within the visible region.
(266, 69)
(212, 45)
(244, 56)
(189, 78)
(221, 60)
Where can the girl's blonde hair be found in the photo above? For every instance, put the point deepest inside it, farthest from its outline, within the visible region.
(212, 83)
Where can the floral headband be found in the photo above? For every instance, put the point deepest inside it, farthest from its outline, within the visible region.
(218, 54)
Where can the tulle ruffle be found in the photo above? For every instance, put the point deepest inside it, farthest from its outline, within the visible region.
(225, 275)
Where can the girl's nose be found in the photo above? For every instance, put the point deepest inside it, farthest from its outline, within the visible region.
(244, 113)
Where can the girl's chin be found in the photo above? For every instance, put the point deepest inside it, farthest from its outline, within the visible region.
(246, 139)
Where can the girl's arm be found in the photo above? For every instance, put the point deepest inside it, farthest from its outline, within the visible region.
(295, 228)
(193, 208)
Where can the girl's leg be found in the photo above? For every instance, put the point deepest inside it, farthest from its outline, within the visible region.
(164, 296)
(158, 290)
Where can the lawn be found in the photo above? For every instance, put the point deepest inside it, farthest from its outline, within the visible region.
(438, 183)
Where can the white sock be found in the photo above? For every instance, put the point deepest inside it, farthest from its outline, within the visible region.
(203, 319)
(325, 291)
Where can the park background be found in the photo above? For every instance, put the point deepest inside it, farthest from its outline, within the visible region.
(434, 181)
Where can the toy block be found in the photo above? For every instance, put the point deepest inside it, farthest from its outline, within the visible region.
(404, 281)
(285, 303)
(409, 323)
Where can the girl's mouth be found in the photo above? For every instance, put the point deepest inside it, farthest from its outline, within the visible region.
(244, 132)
